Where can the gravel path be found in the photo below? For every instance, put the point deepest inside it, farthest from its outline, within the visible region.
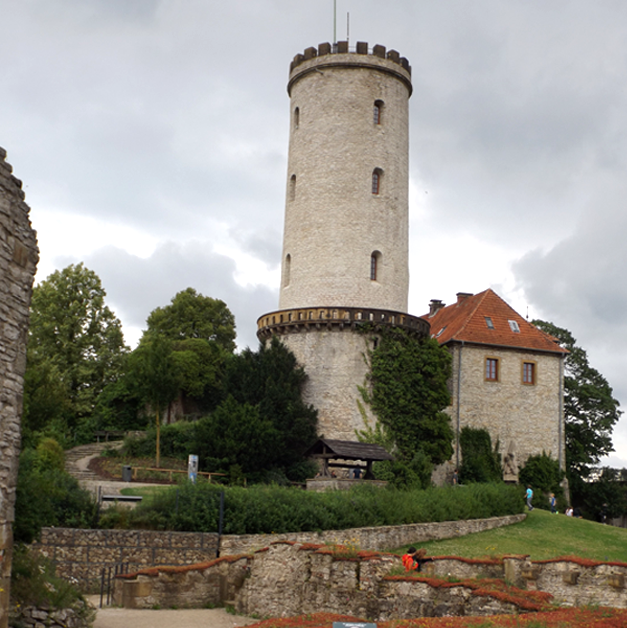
(111, 617)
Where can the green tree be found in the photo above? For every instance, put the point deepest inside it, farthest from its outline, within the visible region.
(75, 348)
(481, 461)
(408, 393)
(155, 377)
(202, 333)
(192, 315)
(271, 380)
(591, 411)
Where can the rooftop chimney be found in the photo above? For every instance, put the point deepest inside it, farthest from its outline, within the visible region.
(462, 296)
(435, 305)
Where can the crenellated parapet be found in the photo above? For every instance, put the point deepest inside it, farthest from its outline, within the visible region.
(342, 47)
(314, 59)
(298, 320)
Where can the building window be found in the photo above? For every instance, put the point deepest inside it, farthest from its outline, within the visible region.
(292, 188)
(489, 322)
(375, 260)
(286, 270)
(296, 117)
(378, 107)
(491, 371)
(529, 373)
(376, 180)
(514, 326)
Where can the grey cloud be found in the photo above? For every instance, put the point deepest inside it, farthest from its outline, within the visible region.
(135, 286)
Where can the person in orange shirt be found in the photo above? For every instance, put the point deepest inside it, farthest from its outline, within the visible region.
(413, 559)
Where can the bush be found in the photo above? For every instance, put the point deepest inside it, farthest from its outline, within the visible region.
(34, 583)
(48, 496)
(267, 509)
(543, 474)
(480, 461)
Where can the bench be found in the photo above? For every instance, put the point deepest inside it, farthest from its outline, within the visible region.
(120, 498)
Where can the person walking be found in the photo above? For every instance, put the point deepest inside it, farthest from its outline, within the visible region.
(552, 501)
(529, 495)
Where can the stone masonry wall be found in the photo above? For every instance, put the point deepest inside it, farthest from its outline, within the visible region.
(82, 554)
(526, 419)
(18, 262)
(287, 579)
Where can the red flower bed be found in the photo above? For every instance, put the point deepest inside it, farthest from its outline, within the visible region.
(561, 618)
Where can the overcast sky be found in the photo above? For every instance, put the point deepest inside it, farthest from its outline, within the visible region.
(152, 136)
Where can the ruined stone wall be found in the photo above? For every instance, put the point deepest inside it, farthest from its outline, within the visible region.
(18, 262)
(82, 554)
(287, 579)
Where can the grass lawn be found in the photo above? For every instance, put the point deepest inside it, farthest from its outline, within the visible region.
(542, 535)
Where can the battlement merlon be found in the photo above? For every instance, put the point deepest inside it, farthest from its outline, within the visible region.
(340, 55)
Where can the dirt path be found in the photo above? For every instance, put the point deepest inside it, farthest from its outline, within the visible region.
(110, 617)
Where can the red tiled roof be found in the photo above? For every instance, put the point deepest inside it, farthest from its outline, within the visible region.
(465, 321)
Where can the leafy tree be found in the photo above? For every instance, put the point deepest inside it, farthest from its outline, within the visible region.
(192, 315)
(609, 488)
(155, 377)
(271, 380)
(202, 335)
(408, 393)
(480, 461)
(591, 411)
(75, 348)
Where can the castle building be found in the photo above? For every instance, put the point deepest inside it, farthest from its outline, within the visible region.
(345, 248)
(345, 263)
(507, 377)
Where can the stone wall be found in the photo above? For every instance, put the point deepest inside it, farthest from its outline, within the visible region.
(287, 579)
(18, 262)
(82, 554)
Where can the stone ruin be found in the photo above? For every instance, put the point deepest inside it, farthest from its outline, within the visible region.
(287, 579)
(18, 262)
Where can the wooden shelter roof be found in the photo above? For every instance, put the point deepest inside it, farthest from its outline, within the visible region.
(347, 450)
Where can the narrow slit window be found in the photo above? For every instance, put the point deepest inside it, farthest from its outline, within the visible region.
(375, 260)
(491, 373)
(378, 106)
(292, 187)
(296, 117)
(376, 181)
(286, 270)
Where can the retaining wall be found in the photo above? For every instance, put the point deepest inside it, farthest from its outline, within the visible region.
(82, 554)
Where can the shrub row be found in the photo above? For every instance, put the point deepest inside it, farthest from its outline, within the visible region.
(267, 509)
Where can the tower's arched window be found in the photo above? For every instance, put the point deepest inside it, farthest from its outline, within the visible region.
(286, 271)
(376, 257)
(376, 181)
(378, 109)
(296, 117)
(292, 187)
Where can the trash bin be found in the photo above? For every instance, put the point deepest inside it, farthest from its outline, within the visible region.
(126, 473)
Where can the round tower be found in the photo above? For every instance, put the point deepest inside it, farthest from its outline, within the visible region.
(345, 248)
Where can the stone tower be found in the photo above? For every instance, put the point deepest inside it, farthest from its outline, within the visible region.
(345, 248)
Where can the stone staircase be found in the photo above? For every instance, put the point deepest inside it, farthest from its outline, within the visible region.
(77, 459)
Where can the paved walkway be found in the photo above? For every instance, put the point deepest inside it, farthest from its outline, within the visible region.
(111, 617)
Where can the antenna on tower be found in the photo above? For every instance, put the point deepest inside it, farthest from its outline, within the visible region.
(335, 40)
(347, 28)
